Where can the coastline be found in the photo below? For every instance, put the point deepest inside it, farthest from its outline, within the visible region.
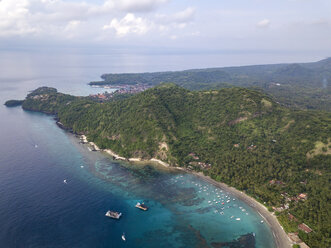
(118, 157)
(281, 238)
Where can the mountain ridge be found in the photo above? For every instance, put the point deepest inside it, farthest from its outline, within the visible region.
(297, 85)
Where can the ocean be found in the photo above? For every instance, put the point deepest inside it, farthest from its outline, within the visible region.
(37, 209)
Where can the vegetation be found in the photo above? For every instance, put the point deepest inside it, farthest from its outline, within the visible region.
(238, 136)
(13, 103)
(302, 86)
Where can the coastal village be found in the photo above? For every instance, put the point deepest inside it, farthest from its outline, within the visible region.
(129, 89)
(294, 237)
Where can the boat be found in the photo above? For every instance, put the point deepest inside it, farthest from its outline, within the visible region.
(142, 206)
(113, 214)
(65, 181)
(123, 237)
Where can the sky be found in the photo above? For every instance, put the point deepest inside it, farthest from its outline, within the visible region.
(187, 25)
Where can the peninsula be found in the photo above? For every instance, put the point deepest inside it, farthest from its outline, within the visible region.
(241, 137)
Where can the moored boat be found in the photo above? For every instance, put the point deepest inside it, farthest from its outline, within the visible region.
(141, 206)
(113, 214)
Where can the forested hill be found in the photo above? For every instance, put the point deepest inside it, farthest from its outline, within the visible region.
(238, 136)
(301, 85)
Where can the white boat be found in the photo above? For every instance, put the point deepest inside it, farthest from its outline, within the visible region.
(142, 206)
(123, 237)
(113, 214)
(65, 181)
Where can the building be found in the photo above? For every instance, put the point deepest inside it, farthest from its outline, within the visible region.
(302, 196)
(194, 156)
(305, 228)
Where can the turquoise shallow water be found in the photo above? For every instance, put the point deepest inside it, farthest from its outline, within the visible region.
(38, 210)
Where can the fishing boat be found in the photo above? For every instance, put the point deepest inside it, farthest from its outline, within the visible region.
(113, 214)
(141, 206)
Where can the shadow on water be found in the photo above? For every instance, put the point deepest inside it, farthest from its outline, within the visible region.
(147, 180)
(244, 241)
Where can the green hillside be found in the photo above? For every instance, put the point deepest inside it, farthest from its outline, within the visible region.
(238, 136)
(301, 86)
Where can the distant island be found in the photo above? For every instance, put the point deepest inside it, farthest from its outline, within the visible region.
(238, 136)
(298, 85)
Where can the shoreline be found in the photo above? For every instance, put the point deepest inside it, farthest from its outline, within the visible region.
(282, 240)
(84, 140)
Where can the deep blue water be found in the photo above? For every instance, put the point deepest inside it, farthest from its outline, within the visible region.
(38, 210)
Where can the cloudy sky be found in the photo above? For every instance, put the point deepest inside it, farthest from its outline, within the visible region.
(284, 25)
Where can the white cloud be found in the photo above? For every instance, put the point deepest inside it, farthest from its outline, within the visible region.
(128, 25)
(161, 23)
(70, 18)
(184, 16)
(41, 17)
(178, 20)
(263, 24)
(136, 5)
(72, 29)
(72, 25)
(12, 18)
